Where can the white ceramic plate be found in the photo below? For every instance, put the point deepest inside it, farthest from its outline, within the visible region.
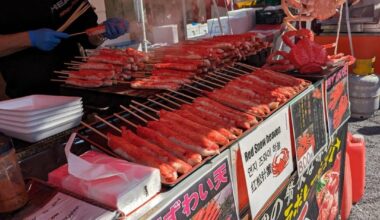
(37, 136)
(41, 116)
(48, 125)
(36, 104)
(41, 121)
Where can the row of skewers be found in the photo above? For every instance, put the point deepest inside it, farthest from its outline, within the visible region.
(103, 67)
(177, 64)
(178, 130)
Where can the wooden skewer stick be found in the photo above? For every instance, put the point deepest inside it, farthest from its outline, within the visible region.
(195, 88)
(72, 64)
(144, 113)
(125, 120)
(207, 81)
(58, 80)
(76, 34)
(216, 78)
(247, 66)
(181, 94)
(204, 85)
(73, 67)
(94, 130)
(194, 92)
(144, 106)
(133, 113)
(160, 104)
(225, 76)
(232, 72)
(168, 100)
(74, 61)
(80, 57)
(107, 123)
(242, 72)
(62, 72)
(178, 99)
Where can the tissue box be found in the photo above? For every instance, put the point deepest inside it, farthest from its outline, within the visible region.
(138, 184)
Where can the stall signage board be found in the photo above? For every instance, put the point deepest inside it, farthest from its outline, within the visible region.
(211, 196)
(337, 101)
(267, 158)
(309, 126)
(318, 192)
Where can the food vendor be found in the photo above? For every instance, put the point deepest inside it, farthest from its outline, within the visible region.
(31, 49)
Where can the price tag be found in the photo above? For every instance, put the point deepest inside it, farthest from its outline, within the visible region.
(267, 158)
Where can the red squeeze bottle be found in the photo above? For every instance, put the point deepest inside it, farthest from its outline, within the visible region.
(347, 190)
(356, 150)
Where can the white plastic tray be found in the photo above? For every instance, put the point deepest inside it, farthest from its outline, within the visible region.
(28, 118)
(41, 121)
(48, 125)
(36, 104)
(37, 136)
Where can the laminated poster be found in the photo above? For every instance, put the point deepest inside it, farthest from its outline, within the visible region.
(309, 127)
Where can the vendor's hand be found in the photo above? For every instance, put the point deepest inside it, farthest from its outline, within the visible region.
(115, 27)
(46, 39)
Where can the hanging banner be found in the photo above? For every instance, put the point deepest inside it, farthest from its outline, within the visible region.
(211, 196)
(267, 158)
(314, 195)
(309, 127)
(337, 99)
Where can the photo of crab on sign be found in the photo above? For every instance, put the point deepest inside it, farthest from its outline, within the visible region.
(267, 158)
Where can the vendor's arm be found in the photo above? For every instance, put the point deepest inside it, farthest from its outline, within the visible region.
(43, 39)
(12, 43)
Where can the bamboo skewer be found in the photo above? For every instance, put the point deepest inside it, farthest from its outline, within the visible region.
(62, 72)
(83, 7)
(57, 80)
(204, 85)
(232, 72)
(242, 72)
(212, 83)
(168, 100)
(107, 123)
(247, 66)
(216, 79)
(144, 113)
(76, 34)
(181, 94)
(144, 106)
(133, 113)
(178, 99)
(225, 76)
(125, 120)
(195, 88)
(94, 130)
(160, 104)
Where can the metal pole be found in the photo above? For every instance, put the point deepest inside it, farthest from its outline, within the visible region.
(217, 14)
(142, 14)
(184, 18)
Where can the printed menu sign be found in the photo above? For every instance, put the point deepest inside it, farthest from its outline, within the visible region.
(211, 197)
(309, 127)
(337, 100)
(317, 193)
(267, 158)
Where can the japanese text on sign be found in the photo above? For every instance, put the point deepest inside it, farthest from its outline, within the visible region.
(267, 158)
(187, 204)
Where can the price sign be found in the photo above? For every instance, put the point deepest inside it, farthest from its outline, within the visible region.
(267, 158)
(309, 126)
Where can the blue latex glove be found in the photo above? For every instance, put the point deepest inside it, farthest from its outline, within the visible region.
(46, 39)
(115, 27)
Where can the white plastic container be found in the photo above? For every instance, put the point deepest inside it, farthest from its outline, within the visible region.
(165, 34)
(364, 94)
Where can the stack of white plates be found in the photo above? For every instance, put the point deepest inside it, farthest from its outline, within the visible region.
(33, 118)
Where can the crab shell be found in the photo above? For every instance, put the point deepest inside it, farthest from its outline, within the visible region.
(306, 55)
